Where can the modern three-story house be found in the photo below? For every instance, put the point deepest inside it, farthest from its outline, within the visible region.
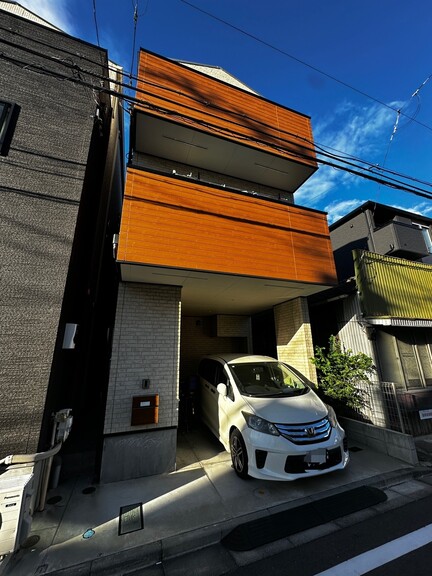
(214, 254)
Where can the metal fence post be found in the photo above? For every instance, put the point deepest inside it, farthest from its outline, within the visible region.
(398, 408)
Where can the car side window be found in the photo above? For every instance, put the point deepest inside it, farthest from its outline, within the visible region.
(222, 378)
(208, 370)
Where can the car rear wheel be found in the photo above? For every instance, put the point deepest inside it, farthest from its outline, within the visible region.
(239, 455)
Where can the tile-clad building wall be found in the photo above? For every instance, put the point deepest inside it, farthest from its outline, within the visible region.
(145, 346)
(294, 336)
(40, 187)
(199, 337)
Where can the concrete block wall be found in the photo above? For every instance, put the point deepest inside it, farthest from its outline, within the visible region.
(390, 442)
(294, 336)
(145, 346)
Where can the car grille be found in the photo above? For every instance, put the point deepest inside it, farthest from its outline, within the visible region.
(309, 433)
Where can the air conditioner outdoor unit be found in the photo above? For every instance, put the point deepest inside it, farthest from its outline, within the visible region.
(16, 489)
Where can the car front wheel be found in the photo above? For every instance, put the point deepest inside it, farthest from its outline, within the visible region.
(239, 455)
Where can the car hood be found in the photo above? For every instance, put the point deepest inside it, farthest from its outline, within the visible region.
(290, 409)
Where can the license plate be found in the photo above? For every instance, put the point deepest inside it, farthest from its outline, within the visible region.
(317, 456)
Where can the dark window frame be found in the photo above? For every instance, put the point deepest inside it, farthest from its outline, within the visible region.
(8, 119)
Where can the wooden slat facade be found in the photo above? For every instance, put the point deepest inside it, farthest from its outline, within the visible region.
(173, 91)
(177, 223)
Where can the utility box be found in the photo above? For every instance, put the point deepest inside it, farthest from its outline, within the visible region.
(16, 489)
(145, 410)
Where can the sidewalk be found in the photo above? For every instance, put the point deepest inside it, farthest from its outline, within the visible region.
(79, 532)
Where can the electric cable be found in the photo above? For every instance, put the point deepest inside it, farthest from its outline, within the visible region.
(103, 89)
(95, 22)
(314, 145)
(298, 60)
(135, 20)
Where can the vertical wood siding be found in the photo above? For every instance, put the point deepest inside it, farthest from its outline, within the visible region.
(181, 224)
(171, 90)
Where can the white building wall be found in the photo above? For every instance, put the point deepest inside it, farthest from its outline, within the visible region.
(146, 345)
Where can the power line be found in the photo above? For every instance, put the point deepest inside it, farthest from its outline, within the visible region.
(302, 62)
(356, 170)
(135, 20)
(308, 146)
(306, 150)
(95, 22)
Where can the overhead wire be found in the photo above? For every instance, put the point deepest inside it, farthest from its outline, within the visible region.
(136, 78)
(298, 60)
(314, 146)
(353, 169)
(308, 147)
(95, 22)
(135, 21)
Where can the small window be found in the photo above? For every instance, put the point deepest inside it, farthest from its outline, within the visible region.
(426, 236)
(8, 119)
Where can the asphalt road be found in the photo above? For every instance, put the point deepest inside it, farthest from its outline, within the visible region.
(326, 554)
(346, 552)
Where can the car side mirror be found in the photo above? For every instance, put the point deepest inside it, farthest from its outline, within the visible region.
(222, 389)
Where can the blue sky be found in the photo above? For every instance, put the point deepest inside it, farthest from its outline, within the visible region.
(349, 65)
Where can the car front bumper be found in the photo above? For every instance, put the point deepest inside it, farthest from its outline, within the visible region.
(276, 458)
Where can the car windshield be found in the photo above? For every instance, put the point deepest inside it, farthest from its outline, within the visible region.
(267, 379)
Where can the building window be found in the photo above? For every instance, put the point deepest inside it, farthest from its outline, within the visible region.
(415, 353)
(8, 119)
(426, 236)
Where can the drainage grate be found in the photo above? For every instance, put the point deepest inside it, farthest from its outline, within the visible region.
(131, 518)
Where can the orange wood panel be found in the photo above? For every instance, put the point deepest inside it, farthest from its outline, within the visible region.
(176, 223)
(176, 92)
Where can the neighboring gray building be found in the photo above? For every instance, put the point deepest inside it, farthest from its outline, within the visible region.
(383, 303)
(61, 185)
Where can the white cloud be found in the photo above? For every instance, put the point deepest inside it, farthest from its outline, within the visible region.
(53, 11)
(338, 209)
(361, 132)
(422, 208)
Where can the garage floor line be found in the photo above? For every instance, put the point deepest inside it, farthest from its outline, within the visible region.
(259, 532)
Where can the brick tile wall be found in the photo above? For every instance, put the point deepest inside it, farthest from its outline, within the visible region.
(145, 345)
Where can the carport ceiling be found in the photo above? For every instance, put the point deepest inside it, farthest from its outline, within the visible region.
(165, 139)
(206, 294)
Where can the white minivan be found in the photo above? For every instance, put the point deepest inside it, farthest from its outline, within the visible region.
(268, 417)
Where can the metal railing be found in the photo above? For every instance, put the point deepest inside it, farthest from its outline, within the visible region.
(388, 406)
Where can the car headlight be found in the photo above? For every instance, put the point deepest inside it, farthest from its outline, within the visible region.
(259, 424)
(332, 416)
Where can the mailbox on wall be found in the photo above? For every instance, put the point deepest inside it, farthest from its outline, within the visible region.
(145, 410)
